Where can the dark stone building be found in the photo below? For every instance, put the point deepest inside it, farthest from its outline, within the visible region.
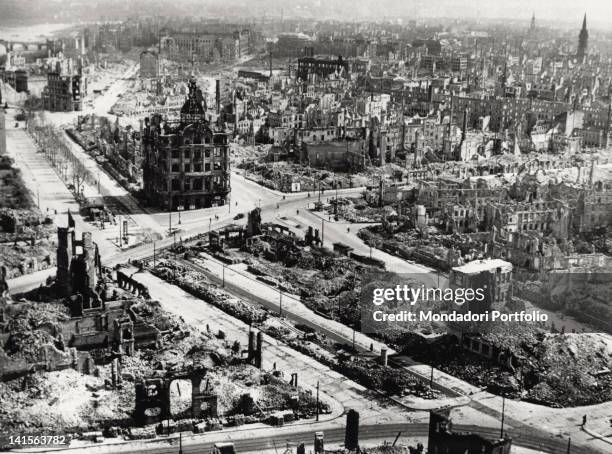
(320, 66)
(186, 163)
(65, 88)
(443, 440)
(78, 262)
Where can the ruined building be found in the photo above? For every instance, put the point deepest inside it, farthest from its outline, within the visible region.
(321, 67)
(78, 262)
(66, 88)
(94, 320)
(186, 163)
(492, 276)
(153, 392)
(444, 440)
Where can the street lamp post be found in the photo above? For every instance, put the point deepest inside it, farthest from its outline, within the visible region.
(317, 401)
(501, 430)
(170, 215)
(322, 232)
(431, 378)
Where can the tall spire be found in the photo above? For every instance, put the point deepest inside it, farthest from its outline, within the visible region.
(583, 40)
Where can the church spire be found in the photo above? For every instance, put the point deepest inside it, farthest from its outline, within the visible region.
(583, 40)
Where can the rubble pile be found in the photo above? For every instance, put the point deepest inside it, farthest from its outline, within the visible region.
(26, 257)
(30, 326)
(151, 312)
(354, 210)
(58, 401)
(388, 449)
(558, 370)
(277, 329)
(192, 282)
(393, 381)
(584, 297)
(13, 192)
(281, 175)
(267, 392)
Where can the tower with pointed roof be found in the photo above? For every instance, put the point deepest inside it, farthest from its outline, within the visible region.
(583, 40)
(186, 161)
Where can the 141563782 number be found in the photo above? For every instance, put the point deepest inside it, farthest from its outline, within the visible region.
(44, 440)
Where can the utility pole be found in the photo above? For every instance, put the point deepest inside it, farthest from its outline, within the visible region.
(431, 378)
(501, 431)
(280, 307)
(120, 239)
(322, 232)
(170, 216)
(317, 402)
(569, 444)
(153, 254)
(223, 264)
(180, 443)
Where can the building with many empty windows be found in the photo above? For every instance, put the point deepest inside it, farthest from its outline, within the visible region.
(186, 163)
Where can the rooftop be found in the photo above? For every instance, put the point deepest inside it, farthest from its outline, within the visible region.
(478, 266)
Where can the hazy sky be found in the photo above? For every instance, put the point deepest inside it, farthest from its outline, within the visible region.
(599, 12)
(545, 10)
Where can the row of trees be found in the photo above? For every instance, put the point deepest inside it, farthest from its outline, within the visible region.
(53, 142)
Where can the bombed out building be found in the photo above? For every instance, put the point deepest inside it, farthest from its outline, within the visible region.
(186, 163)
(444, 440)
(95, 320)
(66, 87)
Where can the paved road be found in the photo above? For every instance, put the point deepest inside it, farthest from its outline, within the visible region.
(249, 441)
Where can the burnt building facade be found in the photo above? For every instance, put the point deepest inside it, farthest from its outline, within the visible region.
(186, 163)
(78, 262)
(66, 87)
(444, 440)
(18, 79)
(320, 67)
